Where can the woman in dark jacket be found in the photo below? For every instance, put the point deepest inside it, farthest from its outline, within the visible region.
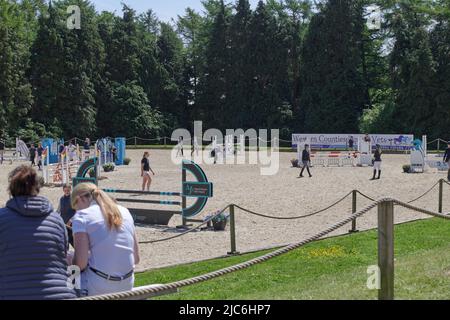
(33, 244)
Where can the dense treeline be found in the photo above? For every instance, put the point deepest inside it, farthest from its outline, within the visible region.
(296, 65)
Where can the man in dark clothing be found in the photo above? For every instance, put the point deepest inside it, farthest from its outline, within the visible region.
(306, 160)
(2, 150)
(114, 153)
(40, 152)
(32, 155)
(351, 143)
(66, 211)
(377, 162)
(447, 159)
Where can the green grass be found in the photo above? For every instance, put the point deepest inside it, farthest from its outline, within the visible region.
(333, 268)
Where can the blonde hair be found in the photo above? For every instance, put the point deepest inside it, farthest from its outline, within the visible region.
(108, 207)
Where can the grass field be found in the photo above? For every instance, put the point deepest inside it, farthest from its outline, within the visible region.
(334, 268)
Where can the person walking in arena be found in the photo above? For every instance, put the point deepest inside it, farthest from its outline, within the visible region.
(180, 147)
(447, 159)
(105, 242)
(377, 162)
(32, 155)
(2, 149)
(145, 172)
(306, 160)
(40, 152)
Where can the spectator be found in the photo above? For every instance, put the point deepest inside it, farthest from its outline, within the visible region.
(61, 152)
(33, 243)
(180, 147)
(106, 247)
(66, 211)
(447, 159)
(32, 155)
(367, 138)
(2, 150)
(87, 148)
(40, 152)
(351, 143)
(114, 153)
(72, 151)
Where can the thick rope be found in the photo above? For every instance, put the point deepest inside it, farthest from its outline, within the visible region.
(283, 218)
(182, 283)
(365, 196)
(188, 231)
(297, 217)
(427, 192)
(411, 201)
(421, 210)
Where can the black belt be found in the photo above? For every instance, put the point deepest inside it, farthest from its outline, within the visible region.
(112, 278)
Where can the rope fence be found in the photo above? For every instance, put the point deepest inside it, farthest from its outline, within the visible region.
(385, 254)
(188, 231)
(297, 217)
(232, 206)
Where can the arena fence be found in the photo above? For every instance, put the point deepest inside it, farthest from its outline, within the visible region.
(385, 209)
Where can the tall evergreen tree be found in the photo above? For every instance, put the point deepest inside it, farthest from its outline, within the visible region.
(412, 69)
(47, 69)
(240, 70)
(332, 88)
(440, 46)
(213, 95)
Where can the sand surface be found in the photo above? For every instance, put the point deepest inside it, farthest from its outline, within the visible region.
(282, 194)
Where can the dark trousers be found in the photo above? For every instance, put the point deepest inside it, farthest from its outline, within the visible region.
(305, 165)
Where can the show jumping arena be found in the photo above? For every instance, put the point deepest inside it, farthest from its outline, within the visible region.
(280, 195)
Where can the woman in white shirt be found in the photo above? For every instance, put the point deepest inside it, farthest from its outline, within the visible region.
(106, 247)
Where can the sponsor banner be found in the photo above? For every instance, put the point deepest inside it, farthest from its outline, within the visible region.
(397, 142)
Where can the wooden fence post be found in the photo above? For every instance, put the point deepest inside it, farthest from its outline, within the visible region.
(232, 231)
(386, 249)
(354, 197)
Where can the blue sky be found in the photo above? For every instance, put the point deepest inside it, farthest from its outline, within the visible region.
(165, 9)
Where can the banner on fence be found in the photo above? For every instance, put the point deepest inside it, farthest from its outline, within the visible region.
(397, 142)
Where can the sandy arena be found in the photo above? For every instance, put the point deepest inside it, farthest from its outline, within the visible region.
(279, 195)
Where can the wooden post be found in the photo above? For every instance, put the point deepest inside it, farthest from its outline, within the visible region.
(135, 142)
(441, 189)
(386, 249)
(354, 195)
(164, 142)
(232, 232)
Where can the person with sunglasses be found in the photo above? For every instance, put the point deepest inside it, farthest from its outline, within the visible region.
(106, 247)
